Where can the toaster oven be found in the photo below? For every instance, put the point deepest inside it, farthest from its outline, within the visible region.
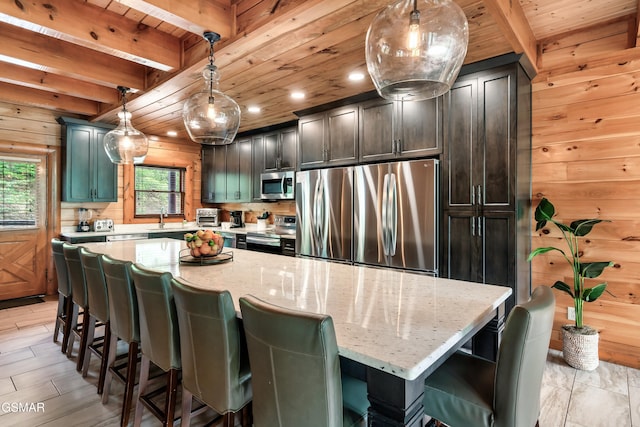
(207, 217)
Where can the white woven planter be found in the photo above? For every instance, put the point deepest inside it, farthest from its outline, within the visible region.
(580, 347)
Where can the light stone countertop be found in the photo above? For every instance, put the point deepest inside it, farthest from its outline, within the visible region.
(150, 228)
(395, 321)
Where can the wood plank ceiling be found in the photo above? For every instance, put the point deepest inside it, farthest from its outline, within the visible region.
(70, 55)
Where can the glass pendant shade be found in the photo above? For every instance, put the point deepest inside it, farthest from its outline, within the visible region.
(125, 144)
(415, 48)
(210, 116)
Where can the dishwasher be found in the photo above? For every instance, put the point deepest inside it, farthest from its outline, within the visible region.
(131, 236)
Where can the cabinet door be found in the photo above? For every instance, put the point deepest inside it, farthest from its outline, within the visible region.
(271, 144)
(105, 173)
(257, 166)
(214, 178)
(497, 137)
(233, 171)
(245, 170)
(460, 260)
(460, 133)
(78, 171)
(312, 140)
(377, 130)
(342, 136)
(498, 235)
(420, 128)
(288, 148)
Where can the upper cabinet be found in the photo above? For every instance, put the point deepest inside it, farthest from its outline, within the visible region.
(400, 130)
(226, 172)
(329, 138)
(87, 172)
(280, 149)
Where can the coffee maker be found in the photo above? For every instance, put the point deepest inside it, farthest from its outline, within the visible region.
(237, 219)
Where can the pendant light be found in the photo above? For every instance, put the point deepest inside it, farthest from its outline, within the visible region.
(210, 116)
(415, 48)
(125, 144)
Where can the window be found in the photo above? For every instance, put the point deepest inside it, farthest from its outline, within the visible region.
(158, 189)
(18, 192)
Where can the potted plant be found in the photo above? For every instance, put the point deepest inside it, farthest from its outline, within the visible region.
(579, 342)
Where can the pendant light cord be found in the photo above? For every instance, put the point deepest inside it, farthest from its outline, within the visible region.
(123, 90)
(211, 70)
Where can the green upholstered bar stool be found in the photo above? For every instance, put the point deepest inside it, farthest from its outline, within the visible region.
(159, 340)
(215, 363)
(66, 311)
(98, 300)
(79, 298)
(124, 325)
(295, 370)
(470, 391)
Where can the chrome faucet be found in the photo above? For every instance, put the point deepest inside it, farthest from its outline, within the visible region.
(161, 218)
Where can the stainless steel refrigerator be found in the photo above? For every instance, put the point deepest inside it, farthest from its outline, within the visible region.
(324, 213)
(395, 215)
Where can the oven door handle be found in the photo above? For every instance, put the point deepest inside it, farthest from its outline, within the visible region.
(268, 241)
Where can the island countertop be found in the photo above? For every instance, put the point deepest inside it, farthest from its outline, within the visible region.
(397, 322)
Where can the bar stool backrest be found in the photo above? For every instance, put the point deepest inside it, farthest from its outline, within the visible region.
(123, 302)
(76, 274)
(96, 286)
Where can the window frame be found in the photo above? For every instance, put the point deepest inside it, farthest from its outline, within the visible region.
(183, 177)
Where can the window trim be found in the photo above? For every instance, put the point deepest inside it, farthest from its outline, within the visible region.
(183, 194)
(190, 166)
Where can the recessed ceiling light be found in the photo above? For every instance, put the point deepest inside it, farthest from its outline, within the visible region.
(356, 76)
(297, 95)
(172, 133)
(253, 109)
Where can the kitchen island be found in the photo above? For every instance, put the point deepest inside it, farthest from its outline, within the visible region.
(399, 325)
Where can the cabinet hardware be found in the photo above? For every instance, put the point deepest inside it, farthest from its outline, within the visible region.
(473, 196)
(473, 226)
(479, 194)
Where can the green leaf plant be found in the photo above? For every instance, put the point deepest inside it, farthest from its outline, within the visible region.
(581, 270)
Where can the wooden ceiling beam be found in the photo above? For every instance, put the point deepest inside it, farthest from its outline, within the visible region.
(194, 16)
(95, 28)
(39, 98)
(42, 80)
(510, 18)
(40, 52)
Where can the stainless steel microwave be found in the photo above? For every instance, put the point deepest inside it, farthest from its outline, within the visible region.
(277, 185)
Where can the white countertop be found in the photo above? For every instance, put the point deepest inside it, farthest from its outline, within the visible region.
(395, 321)
(70, 232)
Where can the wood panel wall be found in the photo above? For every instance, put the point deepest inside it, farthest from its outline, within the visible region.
(586, 161)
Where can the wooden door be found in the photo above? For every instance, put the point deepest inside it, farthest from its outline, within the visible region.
(257, 164)
(24, 241)
(288, 149)
(377, 130)
(420, 128)
(312, 141)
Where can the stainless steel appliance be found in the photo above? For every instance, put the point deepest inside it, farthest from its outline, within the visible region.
(324, 213)
(382, 214)
(237, 219)
(263, 242)
(207, 217)
(285, 224)
(395, 215)
(277, 185)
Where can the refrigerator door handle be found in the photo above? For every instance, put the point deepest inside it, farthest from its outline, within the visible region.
(392, 215)
(385, 214)
(316, 226)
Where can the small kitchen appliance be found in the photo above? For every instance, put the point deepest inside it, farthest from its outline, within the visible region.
(102, 225)
(237, 219)
(84, 216)
(208, 217)
(277, 185)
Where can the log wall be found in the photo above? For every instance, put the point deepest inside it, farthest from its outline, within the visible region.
(586, 161)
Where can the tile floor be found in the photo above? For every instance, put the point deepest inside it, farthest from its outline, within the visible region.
(33, 369)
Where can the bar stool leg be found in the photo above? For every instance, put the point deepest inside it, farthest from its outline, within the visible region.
(106, 347)
(132, 363)
(187, 399)
(142, 389)
(172, 396)
(86, 338)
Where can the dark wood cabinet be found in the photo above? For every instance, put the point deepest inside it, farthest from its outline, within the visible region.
(280, 148)
(329, 138)
(87, 172)
(399, 130)
(257, 166)
(486, 182)
(227, 172)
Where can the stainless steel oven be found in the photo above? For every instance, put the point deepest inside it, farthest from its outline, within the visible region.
(264, 242)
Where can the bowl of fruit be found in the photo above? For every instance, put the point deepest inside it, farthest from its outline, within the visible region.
(204, 243)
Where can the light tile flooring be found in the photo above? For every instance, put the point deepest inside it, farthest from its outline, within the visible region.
(33, 370)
